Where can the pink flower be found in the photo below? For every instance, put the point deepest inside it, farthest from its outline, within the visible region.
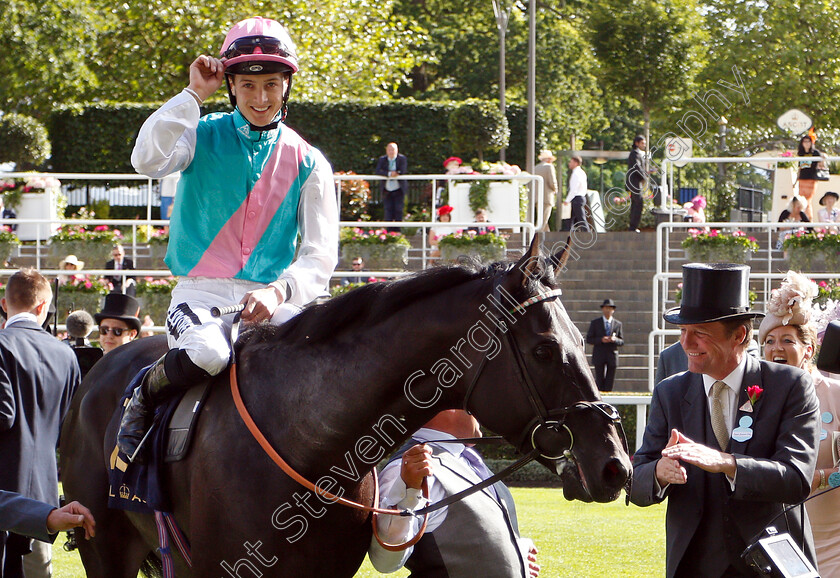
(100, 228)
(88, 284)
(754, 393)
(753, 240)
(382, 237)
(713, 233)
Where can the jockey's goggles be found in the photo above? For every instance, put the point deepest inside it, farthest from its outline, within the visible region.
(249, 45)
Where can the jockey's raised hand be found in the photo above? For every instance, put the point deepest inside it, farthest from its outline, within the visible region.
(206, 76)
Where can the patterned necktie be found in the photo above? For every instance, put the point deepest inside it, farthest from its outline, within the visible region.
(478, 466)
(607, 327)
(718, 419)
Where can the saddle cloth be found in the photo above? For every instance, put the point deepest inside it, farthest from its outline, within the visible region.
(139, 487)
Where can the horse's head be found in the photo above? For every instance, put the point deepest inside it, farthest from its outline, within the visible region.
(537, 389)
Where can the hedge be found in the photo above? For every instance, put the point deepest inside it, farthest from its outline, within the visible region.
(98, 137)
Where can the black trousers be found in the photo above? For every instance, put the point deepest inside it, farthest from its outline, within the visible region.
(578, 214)
(636, 204)
(605, 374)
(13, 547)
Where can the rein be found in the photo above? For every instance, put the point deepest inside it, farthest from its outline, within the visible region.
(542, 419)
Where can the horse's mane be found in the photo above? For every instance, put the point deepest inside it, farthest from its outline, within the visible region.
(378, 301)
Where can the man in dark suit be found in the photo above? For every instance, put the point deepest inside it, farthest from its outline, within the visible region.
(42, 521)
(731, 441)
(38, 375)
(120, 262)
(605, 335)
(392, 164)
(635, 181)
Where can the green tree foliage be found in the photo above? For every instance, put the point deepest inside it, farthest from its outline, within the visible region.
(648, 50)
(346, 47)
(459, 59)
(23, 141)
(43, 46)
(476, 126)
(788, 52)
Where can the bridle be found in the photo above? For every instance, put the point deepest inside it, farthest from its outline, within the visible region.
(545, 423)
(549, 421)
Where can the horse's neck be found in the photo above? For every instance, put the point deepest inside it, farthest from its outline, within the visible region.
(375, 389)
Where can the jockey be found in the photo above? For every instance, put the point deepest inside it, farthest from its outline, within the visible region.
(249, 185)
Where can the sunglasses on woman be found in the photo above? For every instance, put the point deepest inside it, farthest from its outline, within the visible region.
(117, 331)
(249, 44)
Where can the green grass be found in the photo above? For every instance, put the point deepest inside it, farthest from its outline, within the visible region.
(574, 540)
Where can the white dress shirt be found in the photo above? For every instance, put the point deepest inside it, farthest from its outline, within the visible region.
(577, 184)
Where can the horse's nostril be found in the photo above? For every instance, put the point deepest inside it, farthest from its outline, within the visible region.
(615, 472)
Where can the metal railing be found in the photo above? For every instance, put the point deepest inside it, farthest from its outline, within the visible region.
(769, 270)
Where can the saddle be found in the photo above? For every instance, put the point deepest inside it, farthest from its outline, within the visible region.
(179, 429)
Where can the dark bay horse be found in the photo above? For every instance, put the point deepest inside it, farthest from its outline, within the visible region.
(335, 390)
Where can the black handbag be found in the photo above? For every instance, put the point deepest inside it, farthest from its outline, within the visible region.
(821, 174)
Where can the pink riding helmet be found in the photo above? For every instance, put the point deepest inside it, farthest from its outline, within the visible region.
(258, 46)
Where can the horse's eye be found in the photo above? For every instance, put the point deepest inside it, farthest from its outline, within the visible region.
(543, 352)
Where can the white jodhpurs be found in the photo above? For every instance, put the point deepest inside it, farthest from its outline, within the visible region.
(206, 339)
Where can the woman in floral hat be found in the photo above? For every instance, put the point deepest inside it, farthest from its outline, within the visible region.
(789, 337)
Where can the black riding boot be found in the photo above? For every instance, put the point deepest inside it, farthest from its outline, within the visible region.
(137, 418)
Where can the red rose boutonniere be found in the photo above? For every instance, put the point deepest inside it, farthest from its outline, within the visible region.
(754, 393)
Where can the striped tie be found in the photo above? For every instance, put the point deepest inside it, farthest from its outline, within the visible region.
(718, 419)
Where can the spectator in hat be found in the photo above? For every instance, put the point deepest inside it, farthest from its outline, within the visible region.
(794, 213)
(444, 215)
(605, 335)
(546, 170)
(70, 263)
(732, 441)
(696, 209)
(828, 214)
(789, 336)
(118, 322)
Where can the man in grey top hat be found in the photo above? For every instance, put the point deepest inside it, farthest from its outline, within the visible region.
(606, 335)
(729, 442)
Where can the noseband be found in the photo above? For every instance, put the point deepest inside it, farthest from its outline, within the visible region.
(547, 426)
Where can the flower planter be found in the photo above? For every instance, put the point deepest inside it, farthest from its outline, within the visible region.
(37, 206)
(382, 257)
(484, 253)
(6, 250)
(154, 304)
(94, 254)
(719, 254)
(814, 260)
(69, 300)
(157, 252)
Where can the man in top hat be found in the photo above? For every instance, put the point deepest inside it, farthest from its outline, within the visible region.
(546, 170)
(118, 322)
(731, 441)
(605, 335)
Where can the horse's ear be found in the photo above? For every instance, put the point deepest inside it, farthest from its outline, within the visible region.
(529, 264)
(560, 258)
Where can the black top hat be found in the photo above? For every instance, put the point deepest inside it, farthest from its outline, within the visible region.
(608, 303)
(123, 307)
(713, 292)
(831, 193)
